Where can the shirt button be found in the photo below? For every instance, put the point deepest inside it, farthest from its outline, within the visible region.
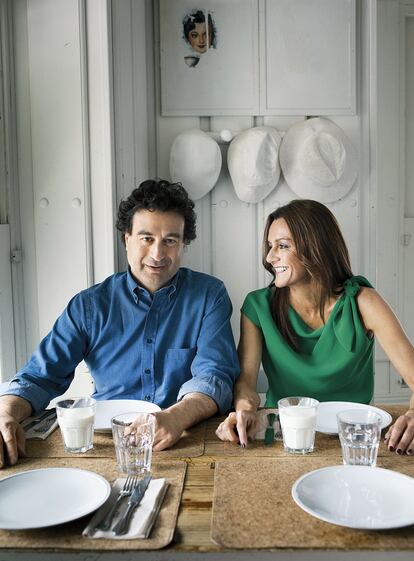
(147, 371)
(147, 398)
(149, 341)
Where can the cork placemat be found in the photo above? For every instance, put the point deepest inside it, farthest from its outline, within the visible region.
(190, 445)
(69, 535)
(253, 509)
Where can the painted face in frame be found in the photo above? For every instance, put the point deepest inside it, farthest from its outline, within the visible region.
(282, 256)
(198, 38)
(155, 247)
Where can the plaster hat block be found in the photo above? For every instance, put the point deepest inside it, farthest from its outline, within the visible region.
(318, 160)
(195, 161)
(253, 163)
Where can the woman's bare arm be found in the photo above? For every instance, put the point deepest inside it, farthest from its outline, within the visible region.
(378, 317)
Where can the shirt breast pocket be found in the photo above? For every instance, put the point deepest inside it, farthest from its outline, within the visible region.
(178, 363)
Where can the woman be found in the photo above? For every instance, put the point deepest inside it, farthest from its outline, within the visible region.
(195, 31)
(313, 328)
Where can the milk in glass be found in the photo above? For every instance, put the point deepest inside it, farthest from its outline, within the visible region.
(76, 421)
(298, 421)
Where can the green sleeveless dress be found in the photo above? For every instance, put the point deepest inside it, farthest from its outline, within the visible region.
(335, 362)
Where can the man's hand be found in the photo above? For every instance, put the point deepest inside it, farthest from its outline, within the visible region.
(12, 440)
(168, 429)
(172, 422)
(13, 410)
(400, 436)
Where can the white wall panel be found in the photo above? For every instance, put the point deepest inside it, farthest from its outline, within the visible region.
(101, 142)
(310, 49)
(409, 112)
(56, 108)
(24, 164)
(7, 348)
(198, 255)
(130, 41)
(382, 380)
(234, 243)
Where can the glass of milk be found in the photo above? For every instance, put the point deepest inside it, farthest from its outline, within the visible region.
(360, 434)
(133, 439)
(297, 417)
(76, 419)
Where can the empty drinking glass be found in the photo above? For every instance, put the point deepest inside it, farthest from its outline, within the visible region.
(360, 433)
(133, 449)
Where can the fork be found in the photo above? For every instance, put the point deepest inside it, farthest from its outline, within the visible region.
(126, 491)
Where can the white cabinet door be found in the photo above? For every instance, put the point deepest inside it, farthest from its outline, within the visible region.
(216, 73)
(309, 62)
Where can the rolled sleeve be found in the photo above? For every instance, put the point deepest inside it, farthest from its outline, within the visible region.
(215, 366)
(213, 387)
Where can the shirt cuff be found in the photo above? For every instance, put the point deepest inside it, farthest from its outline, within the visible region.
(213, 387)
(38, 398)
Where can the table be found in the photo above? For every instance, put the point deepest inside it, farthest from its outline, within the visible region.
(192, 539)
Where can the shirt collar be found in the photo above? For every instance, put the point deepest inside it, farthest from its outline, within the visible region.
(169, 289)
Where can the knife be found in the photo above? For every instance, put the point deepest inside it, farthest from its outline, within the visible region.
(45, 415)
(121, 527)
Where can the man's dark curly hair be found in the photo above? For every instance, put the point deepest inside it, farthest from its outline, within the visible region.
(160, 196)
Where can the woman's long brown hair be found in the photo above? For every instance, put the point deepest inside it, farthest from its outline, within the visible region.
(321, 249)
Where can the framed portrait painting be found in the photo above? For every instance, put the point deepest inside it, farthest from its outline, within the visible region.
(209, 57)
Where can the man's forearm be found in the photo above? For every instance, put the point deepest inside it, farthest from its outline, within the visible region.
(193, 408)
(15, 406)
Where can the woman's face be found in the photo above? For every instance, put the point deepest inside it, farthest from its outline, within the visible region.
(198, 38)
(288, 269)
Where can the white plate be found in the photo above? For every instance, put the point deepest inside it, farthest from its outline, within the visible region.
(357, 497)
(327, 410)
(50, 496)
(105, 410)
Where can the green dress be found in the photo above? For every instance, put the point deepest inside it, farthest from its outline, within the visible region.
(335, 362)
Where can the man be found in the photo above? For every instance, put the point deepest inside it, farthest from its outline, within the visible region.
(157, 332)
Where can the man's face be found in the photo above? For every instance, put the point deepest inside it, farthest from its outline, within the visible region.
(155, 247)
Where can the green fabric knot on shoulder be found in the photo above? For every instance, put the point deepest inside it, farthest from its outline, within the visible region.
(351, 287)
(346, 314)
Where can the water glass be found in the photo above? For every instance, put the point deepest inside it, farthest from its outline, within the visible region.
(360, 433)
(76, 419)
(297, 417)
(133, 449)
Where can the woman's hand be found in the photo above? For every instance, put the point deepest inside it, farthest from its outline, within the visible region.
(400, 435)
(238, 427)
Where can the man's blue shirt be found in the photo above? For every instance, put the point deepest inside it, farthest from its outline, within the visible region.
(137, 345)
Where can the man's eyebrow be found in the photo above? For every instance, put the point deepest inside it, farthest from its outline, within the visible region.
(170, 235)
